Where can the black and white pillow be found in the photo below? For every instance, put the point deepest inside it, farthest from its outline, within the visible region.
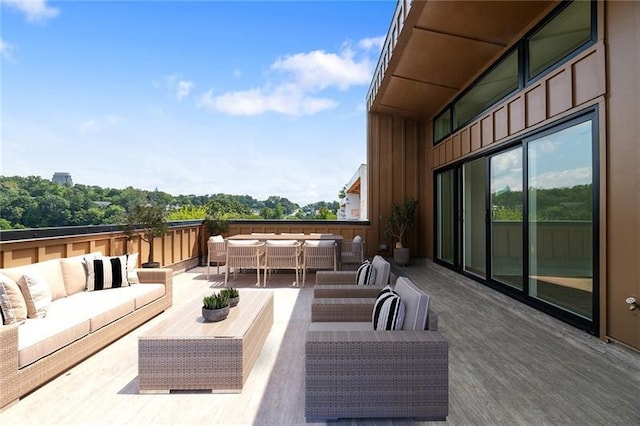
(388, 311)
(366, 274)
(106, 272)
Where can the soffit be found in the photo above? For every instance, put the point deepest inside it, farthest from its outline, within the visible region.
(445, 46)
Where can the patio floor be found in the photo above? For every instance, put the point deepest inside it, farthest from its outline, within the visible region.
(509, 364)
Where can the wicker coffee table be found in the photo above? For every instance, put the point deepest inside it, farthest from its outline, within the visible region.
(185, 353)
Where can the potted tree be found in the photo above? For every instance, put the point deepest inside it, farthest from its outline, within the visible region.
(402, 219)
(147, 221)
(215, 307)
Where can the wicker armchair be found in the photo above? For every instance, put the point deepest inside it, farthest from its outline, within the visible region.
(339, 284)
(352, 371)
(352, 252)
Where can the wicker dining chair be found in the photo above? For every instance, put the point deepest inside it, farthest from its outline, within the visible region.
(282, 254)
(244, 254)
(217, 252)
(352, 251)
(318, 254)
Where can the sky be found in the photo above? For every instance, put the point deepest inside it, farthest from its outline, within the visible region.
(201, 97)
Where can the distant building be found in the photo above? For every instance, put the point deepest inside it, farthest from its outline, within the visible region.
(354, 205)
(63, 178)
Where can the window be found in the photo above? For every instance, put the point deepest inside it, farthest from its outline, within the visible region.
(564, 34)
(442, 125)
(493, 86)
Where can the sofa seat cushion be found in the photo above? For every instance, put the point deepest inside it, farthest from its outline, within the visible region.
(39, 337)
(143, 294)
(100, 307)
(340, 326)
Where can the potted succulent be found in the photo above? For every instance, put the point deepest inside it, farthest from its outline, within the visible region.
(402, 219)
(215, 307)
(148, 221)
(233, 294)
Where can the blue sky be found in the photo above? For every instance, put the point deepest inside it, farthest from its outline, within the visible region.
(201, 97)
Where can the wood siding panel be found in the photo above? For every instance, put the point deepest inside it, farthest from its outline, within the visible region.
(501, 123)
(559, 94)
(456, 145)
(486, 125)
(476, 137)
(465, 142)
(448, 151)
(516, 115)
(589, 78)
(535, 105)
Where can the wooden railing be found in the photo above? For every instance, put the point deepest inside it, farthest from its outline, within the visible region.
(183, 246)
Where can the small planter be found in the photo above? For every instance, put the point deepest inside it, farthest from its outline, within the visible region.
(215, 315)
(234, 301)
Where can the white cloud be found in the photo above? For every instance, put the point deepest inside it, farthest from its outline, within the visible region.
(563, 178)
(299, 77)
(6, 50)
(184, 88)
(372, 43)
(287, 100)
(36, 11)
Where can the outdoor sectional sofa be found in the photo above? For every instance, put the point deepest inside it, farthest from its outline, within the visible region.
(354, 371)
(77, 323)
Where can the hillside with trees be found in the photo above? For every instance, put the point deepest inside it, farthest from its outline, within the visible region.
(34, 202)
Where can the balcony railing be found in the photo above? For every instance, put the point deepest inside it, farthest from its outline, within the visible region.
(403, 7)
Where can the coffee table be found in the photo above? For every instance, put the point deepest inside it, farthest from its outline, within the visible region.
(184, 352)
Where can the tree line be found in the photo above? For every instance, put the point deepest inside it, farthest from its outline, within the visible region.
(34, 202)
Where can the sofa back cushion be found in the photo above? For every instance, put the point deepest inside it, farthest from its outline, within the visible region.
(12, 303)
(74, 272)
(49, 270)
(416, 304)
(383, 269)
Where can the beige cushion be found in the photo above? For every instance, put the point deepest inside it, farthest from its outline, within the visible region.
(39, 337)
(216, 239)
(319, 243)
(14, 307)
(74, 273)
(50, 270)
(37, 294)
(243, 242)
(100, 307)
(282, 242)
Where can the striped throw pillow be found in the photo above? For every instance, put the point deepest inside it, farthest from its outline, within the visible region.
(388, 311)
(107, 272)
(366, 274)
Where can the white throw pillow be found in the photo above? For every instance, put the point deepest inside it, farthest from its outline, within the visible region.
(132, 264)
(37, 294)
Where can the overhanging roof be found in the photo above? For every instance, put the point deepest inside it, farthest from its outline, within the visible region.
(443, 45)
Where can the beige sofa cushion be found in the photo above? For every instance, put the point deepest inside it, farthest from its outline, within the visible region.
(14, 307)
(37, 294)
(144, 294)
(74, 272)
(39, 337)
(50, 270)
(100, 307)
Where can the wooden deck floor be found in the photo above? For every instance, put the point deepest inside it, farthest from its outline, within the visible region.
(509, 364)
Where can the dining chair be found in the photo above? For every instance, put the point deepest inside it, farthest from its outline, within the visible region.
(352, 251)
(247, 254)
(217, 252)
(318, 254)
(282, 254)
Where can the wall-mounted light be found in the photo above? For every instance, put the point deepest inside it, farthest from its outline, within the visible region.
(633, 303)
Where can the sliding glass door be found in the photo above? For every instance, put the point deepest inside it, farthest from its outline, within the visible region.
(523, 219)
(560, 225)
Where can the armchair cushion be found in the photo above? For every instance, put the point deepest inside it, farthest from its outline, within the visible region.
(366, 274)
(388, 311)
